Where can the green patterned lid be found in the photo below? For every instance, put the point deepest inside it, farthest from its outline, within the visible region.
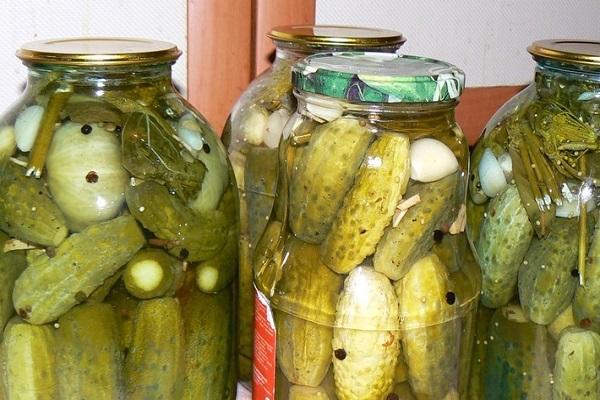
(378, 77)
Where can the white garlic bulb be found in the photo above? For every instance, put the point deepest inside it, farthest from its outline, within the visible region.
(431, 160)
(27, 125)
(491, 174)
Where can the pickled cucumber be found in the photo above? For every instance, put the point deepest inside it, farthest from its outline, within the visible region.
(153, 273)
(307, 289)
(268, 258)
(586, 304)
(476, 382)
(100, 293)
(209, 344)
(576, 372)
(88, 354)
(324, 175)
(260, 182)
(154, 364)
(11, 266)
(365, 337)
(214, 274)
(298, 392)
(29, 362)
(431, 329)
(188, 235)
(245, 314)
(27, 211)
(546, 278)
(303, 349)
(49, 287)
(125, 306)
(369, 205)
(517, 360)
(563, 321)
(502, 244)
(403, 245)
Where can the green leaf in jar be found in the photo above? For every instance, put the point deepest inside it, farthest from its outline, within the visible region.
(87, 111)
(150, 151)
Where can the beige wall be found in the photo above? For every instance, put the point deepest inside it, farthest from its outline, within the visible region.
(26, 20)
(486, 38)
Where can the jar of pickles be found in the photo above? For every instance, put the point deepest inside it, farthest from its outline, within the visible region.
(366, 287)
(252, 135)
(118, 226)
(533, 223)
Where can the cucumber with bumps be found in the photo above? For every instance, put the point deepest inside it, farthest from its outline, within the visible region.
(577, 365)
(503, 242)
(209, 344)
(27, 211)
(369, 205)
(29, 362)
(365, 337)
(337, 147)
(88, 355)
(49, 287)
(188, 235)
(430, 328)
(403, 245)
(154, 363)
(546, 281)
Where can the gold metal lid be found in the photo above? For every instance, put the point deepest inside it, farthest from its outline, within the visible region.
(337, 36)
(575, 51)
(96, 51)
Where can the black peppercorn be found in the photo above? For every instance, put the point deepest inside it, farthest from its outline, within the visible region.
(438, 235)
(340, 354)
(450, 298)
(183, 254)
(86, 129)
(91, 177)
(575, 273)
(206, 148)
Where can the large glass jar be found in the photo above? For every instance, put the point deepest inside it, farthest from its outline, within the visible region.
(118, 220)
(364, 268)
(253, 132)
(532, 220)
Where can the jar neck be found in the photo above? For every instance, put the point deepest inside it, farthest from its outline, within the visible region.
(102, 78)
(405, 117)
(556, 80)
(285, 54)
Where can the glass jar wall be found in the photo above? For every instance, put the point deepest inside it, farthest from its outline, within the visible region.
(533, 224)
(253, 132)
(364, 263)
(118, 220)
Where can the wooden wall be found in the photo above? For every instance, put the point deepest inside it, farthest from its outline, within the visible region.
(228, 47)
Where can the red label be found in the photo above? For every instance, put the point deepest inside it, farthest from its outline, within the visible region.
(263, 379)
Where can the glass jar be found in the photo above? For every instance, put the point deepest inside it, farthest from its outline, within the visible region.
(253, 132)
(118, 219)
(364, 264)
(532, 222)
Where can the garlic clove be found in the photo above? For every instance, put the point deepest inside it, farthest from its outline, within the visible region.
(27, 125)
(506, 164)
(238, 163)
(491, 175)
(570, 207)
(8, 143)
(274, 128)
(323, 110)
(253, 124)
(431, 160)
(188, 132)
